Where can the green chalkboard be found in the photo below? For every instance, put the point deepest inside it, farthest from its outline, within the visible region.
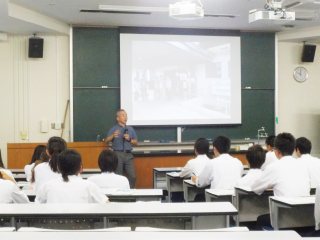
(96, 63)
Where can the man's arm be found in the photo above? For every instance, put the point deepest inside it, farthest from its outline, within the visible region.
(266, 181)
(109, 138)
(205, 177)
(111, 135)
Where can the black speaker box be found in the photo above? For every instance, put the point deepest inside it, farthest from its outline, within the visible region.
(35, 48)
(308, 53)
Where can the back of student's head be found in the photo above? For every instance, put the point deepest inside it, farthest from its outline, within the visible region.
(54, 147)
(222, 144)
(1, 162)
(201, 146)
(256, 156)
(285, 143)
(303, 145)
(108, 161)
(69, 163)
(37, 153)
(270, 140)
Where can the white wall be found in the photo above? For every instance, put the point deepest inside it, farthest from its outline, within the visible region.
(298, 103)
(32, 90)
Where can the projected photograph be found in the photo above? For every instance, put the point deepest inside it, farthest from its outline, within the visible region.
(181, 82)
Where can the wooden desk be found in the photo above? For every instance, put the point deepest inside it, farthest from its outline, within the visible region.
(154, 235)
(156, 214)
(250, 205)
(120, 195)
(190, 190)
(19, 154)
(219, 195)
(174, 183)
(292, 212)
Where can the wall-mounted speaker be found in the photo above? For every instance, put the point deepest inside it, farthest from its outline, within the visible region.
(308, 53)
(35, 48)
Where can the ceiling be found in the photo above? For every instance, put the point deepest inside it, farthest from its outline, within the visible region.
(68, 11)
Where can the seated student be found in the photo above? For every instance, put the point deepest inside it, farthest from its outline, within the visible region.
(223, 171)
(288, 177)
(255, 156)
(303, 150)
(108, 162)
(9, 191)
(49, 170)
(195, 166)
(36, 156)
(70, 187)
(270, 156)
(43, 158)
(3, 169)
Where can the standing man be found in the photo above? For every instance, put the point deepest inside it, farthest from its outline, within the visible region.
(123, 137)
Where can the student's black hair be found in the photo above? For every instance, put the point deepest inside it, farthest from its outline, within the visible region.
(303, 145)
(270, 140)
(108, 161)
(1, 162)
(202, 146)
(285, 143)
(222, 144)
(69, 163)
(37, 153)
(256, 156)
(55, 146)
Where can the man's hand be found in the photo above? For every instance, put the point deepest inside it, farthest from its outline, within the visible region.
(116, 133)
(127, 137)
(194, 178)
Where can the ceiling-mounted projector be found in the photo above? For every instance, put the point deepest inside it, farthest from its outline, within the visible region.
(186, 10)
(256, 15)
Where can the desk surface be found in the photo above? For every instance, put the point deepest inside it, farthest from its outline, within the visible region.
(168, 169)
(294, 201)
(249, 190)
(173, 174)
(189, 182)
(220, 192)
(118, 192)
(177, 235)
(120, 209)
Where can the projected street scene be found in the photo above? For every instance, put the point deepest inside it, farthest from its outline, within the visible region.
(181, 82)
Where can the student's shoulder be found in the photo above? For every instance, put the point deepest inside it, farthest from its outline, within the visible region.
(120, 177)
(41, 165)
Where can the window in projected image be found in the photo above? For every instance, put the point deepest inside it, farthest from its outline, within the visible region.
(180, 79)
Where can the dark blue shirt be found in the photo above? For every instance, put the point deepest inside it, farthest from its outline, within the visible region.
(119, 143)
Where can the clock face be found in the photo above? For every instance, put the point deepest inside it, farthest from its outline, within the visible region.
(300, 74)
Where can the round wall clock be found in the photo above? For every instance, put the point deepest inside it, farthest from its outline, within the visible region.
(300, 74)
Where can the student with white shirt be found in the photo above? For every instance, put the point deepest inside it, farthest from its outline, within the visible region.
(288, 177)
(70, 187)
(35, 156)
(270, 156)
(196, 165)
(223, 171)
(256, 157)
(9, 191)
(49, 170)
(108, 163)
(303, 150)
